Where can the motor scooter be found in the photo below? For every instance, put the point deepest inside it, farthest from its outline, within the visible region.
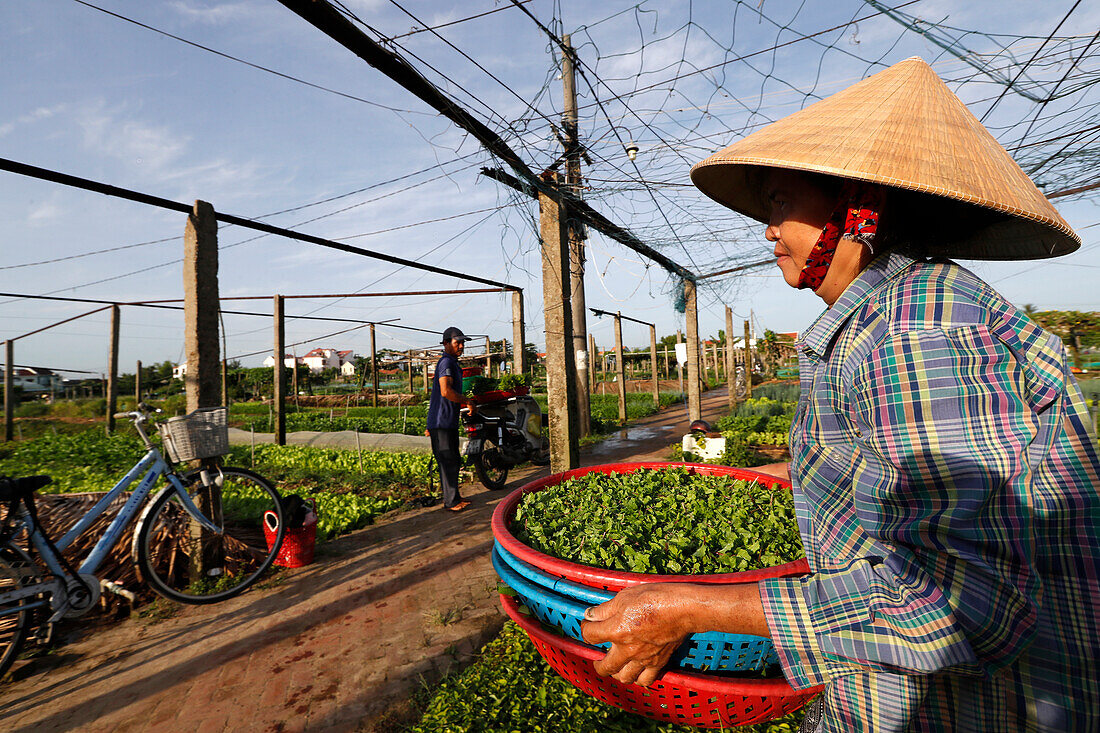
(503, 434)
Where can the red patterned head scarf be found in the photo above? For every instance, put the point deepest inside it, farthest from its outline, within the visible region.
(856, 217)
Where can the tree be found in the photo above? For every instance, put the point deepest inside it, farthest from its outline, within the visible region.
(1075, 328)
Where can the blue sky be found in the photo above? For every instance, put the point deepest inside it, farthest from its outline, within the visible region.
(94, 96)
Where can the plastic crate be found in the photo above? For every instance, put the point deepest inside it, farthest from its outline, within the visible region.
(709, 652)
(616, 580)
(685, 698)
(203, 433)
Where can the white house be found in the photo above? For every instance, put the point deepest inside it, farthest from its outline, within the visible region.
(179, 371)
(33, 379)
(321, 359)
(288, 361)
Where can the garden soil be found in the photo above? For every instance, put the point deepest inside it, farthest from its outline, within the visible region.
(345, 644)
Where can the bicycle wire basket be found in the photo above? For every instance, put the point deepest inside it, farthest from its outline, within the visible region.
(203, 433)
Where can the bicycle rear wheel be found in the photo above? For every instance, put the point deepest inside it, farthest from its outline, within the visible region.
(16, 571)
(185, 563)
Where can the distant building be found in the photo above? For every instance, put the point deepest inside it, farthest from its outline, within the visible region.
(320, 359)
(289, 360)
(179, 371)
(36, 379)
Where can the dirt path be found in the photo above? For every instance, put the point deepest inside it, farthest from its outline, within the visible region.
(340, 645)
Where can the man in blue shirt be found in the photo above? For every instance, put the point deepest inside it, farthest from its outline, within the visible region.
(443, 410)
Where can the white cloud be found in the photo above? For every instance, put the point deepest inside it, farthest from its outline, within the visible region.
(216, 14)
(109, 132)
(44, 212)
(41, 113)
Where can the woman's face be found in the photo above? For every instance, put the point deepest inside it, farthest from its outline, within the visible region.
(800, 209)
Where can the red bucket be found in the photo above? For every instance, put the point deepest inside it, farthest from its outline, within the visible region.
(298, 542)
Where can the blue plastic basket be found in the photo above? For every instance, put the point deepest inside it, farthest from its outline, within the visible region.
(561, 603)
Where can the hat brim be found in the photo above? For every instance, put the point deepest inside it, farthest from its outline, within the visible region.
(998, 235)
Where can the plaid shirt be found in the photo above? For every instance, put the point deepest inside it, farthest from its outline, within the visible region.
(947, 495)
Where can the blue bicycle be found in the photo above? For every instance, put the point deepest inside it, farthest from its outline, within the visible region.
(203, 538)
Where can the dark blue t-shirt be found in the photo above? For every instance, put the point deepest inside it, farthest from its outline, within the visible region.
(442, 413)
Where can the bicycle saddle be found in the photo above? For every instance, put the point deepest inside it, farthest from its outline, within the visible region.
(17, 488)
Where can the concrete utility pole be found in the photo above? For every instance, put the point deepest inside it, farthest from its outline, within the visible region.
(653, 365)
(137, 382)
(731, 361)
(620, 367)
(695, 401)
(279, 396)
(518, 335)
(200, 307)
(561, 384)
(373, 368)
(748, 363)
(576, 237)
(112, 371)
(410, 357)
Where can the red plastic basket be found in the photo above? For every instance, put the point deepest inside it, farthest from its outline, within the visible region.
(616, 580)
(495, 395)
(298, 542)
(698, 700)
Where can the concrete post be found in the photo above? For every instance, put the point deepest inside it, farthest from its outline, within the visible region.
(620, 367)
(410, 357)
(695, 402)
(225, 384)
(373, 368)
(137, 382)
(576, 240)
(653, 366)
(731, 361)
(112, 370)
(200, 308)
(679, 366)
(518, 336)
(748, 363)
(714, 360)
(561, 382)
(279, 396)
(9, 390)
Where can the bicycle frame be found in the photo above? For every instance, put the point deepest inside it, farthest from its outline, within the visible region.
(153, 466)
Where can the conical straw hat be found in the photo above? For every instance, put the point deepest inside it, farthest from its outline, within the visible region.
(903, 128)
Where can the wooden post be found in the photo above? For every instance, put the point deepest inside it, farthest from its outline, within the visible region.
(200, 308)
(679, 366)
(714, 361)
(620, 367)
(279, 396)
(593, 367)
(653, 365)
(410, 357)
(695, 402)
(518, 336)
(731, 361)
(112, 370)
(557, 316)
(748, 363)
(9, 390)
(373, 367)
(137, 382)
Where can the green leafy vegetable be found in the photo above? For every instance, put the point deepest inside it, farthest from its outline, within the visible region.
(669, 521)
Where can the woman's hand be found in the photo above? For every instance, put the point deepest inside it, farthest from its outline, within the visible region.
(645, 624)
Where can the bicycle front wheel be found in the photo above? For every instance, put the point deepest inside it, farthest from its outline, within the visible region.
(186, 563)
(16, 571)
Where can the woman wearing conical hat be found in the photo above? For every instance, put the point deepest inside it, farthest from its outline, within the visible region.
(945, 480)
